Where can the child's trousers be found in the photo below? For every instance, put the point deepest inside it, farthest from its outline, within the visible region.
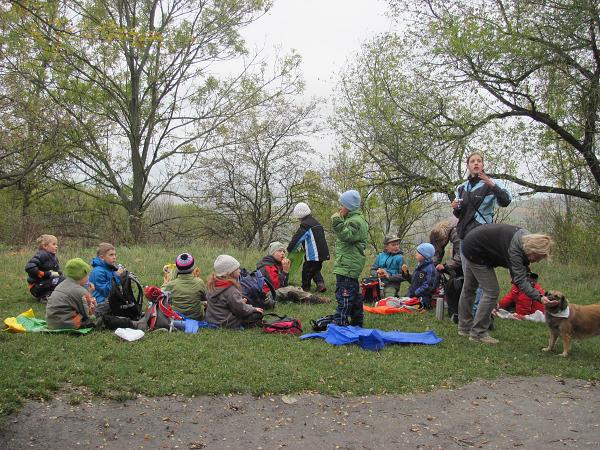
(349, 301)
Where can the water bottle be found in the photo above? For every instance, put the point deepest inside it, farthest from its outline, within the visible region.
(439, 304)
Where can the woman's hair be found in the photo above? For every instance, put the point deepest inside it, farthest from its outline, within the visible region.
(213, 277)
(440, 233)
(474, 154)
(104, 248)
(537, 244)
(45, 239)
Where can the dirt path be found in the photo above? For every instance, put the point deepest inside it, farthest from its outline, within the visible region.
(536, 413)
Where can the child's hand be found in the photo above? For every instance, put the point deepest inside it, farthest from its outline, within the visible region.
(440, 267)
(91, 288)
(120, 270)
(244, 300)
(381, 273)
(196, 272)
(286, 263)
(260, 310)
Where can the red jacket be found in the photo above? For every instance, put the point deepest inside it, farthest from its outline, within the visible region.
(272, 269)
(523, 304)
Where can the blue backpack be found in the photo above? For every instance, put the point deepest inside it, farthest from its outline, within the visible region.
(252, 284)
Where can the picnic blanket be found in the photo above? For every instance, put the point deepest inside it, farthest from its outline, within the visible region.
(27, 323)
(394, 305)
(372, 338)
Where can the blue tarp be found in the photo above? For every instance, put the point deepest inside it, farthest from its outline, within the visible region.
(372, 338)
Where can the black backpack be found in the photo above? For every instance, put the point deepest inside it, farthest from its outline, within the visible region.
(123, 301)
(322, 323)
(252, 284)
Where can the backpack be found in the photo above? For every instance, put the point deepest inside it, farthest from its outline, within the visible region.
(370, 289)
(123, 301)
(160, 314)
(322, 323)
(282, 324)
(252, 284)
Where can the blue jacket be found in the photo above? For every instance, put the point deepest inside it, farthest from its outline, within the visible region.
(478, 203)
(101, 276)
(392, 263)
(424, 281)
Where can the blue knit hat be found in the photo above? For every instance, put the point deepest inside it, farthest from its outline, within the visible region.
(350, 200)
(426, 250)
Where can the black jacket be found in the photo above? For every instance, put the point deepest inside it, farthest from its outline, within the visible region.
(40, 265)
(500, 245)
(311, 236)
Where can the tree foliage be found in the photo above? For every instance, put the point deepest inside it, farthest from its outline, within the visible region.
(531, 65)
(135, 79)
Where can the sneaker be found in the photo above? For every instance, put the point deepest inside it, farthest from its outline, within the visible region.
(484, 339)
(463, 333)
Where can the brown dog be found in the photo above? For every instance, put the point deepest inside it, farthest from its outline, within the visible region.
(583, 321)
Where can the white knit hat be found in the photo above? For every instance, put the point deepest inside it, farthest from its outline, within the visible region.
(225, 264)
(301, 210)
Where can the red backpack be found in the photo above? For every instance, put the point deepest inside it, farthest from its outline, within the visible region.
(159, 313)
(282, 324)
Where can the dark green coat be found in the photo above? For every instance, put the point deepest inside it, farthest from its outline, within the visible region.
(351, 233)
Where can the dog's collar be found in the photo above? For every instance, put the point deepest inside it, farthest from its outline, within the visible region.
(564, 313)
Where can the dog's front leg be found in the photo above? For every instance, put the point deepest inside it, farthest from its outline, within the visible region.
(566, 337)
(551, 340)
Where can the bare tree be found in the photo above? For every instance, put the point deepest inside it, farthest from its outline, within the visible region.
(247, 188)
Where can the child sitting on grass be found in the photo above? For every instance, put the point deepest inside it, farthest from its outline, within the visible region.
(389, 266)
(43, 270)
(425, 278)
(523, 304)
(104, 270)
(275, 267)
(71, 305)
(188, 292)
(226, 306)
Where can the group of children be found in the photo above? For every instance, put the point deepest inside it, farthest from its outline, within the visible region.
(77, 296)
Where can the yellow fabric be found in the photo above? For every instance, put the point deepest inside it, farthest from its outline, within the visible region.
(15, 327)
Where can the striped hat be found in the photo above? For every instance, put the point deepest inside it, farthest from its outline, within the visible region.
(185, 263)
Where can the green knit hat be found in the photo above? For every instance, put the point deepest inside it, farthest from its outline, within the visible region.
(77, 269)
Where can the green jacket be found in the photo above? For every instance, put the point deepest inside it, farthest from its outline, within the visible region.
(351, 233)
(188, 295)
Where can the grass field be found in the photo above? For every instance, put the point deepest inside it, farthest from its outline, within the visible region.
(221, 361)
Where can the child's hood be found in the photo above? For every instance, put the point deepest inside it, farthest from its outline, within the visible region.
(99, 262)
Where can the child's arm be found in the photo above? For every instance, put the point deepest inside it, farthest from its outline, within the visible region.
(33, 268)
(238, 306)
(102, 282)
(297, 239)
(346, 230)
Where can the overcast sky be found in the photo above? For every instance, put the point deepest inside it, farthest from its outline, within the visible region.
(326, 33)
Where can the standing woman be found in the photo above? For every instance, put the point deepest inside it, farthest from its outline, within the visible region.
(476, 198)
(487, 247)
